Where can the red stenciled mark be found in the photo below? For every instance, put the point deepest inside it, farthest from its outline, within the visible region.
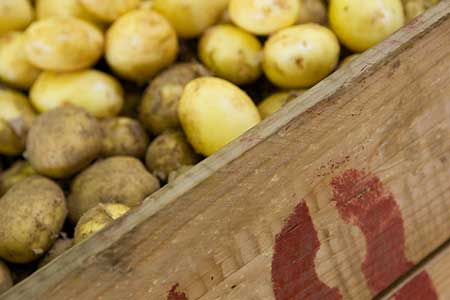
(362, 201)
(419, 288)
(293, 271)
(176, 295)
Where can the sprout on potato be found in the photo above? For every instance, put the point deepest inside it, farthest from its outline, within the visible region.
(118, 179)
(32, 214)
(15, 15)
(300, 56)
(231, 53)
(158, 109)
(63, 141)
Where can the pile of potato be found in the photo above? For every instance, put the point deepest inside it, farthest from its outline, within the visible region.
(104, 101)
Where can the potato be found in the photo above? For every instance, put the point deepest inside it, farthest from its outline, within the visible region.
(300, 56)
(17, 116)
(158, 109)
(213, 112)
(168, 152)
(274, 102)
(15, 15)
(15, 69)
(312, 11)
(361, 24)
(59, 247)
(109, 10)
(118, 179)
(191, 18)
(178, 172)
(5, 278)
(264, 17)
(63, 44)
(349, 59)
(65, 8)
(98, 218)
(123, 136)
(231, 53)
(97, 92)
(63, 141)
(19, 171)
(414, 8)
(140, 44)
(32, 214)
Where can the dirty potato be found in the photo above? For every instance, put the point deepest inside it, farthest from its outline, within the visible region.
(19, 171)
(158, 109)
(32, 214)
(15, 15)
(63, 141)
(5, 278)
(123, 136)
(60, 246)
(119, 179)
(168, 152)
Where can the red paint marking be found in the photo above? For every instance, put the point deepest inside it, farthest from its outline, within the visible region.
(176, 295)
(293, 271)
(362, 201)
(419, 288)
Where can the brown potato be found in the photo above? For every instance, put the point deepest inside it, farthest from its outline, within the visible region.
(19, 171)
(119, 179)
(168, 152)
(158, 109)
(59, 247)
(32, 214)
(63, 141)
(5, 278)
(123, 136)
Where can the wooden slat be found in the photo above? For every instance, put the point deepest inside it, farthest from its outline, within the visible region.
(365, 151)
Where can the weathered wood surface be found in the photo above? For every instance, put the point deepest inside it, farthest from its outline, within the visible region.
(350, 184)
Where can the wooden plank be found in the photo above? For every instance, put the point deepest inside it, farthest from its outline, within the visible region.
(377, 131)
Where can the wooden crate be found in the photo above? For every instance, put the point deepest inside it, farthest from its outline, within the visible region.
(343, 194)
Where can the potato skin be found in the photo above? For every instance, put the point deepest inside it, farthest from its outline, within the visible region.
(63, 141)
(213, 112)
(231, 53)
(5, 278)
(98, 93)
(264, 17)
(139, 44)
(15, 69)
(32, 214)
(361, 24)
(158, 109)
(191, 18)
(15, 15)
(169, 152)
(123, 136)
(19, 171)
(109, 10)
(98, 218)
(62, 8)
(10, 143)
(60, 246)
(119, 179)
(290, 66)
(70, 44)
(274, 102)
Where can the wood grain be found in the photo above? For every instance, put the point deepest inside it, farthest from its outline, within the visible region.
(211, 234)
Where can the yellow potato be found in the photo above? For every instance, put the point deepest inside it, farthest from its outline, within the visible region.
(32, 214)
(109, 10)
(158, 109)
(231, 53)
(60, 246)
(63, 44)
(213, 112)
(64, 8)
(414, 8)
(190, 18)
(264, 17)
(17, 117)
(274, 102)
(98, 218)
(119, 179)
(15, 68)
(5, 278)
(361, 24)
(312, 11)
(140, 44)
(300, 56)
(63, 141)
(15, 15)
(97, 92)
(19, 171)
